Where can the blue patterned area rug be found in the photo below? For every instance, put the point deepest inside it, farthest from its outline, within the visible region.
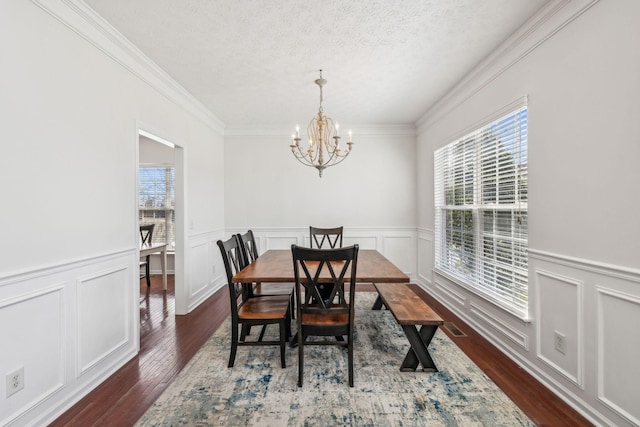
(257, 391)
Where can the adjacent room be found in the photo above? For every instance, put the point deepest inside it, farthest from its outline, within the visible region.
(429, 204)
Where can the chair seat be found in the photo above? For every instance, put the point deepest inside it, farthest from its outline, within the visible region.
(265, 289)
(331, 319)
(268, 307)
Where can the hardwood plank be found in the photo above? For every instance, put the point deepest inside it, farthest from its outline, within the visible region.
(168, 342)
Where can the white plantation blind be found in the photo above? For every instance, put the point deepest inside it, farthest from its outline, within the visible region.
(156, 202)
(481, 211)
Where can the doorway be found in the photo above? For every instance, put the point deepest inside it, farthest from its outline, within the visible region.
(160, 166)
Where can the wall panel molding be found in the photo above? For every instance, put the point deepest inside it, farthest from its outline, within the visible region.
(104, 321)
(552, 358)
(54, 355)
(504, 329)
(617, 355)
(425, 256)
(85, 327)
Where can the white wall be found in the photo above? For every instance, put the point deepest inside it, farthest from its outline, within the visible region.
(371, 194)
(582, 86)
(73, 97)
(374, 187)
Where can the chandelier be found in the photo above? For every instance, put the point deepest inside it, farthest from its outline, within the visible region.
(324, 140)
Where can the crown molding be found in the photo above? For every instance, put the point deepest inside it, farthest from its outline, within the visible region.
(88, 24)
(542, 26)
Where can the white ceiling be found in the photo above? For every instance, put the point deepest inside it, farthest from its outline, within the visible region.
(254, 62)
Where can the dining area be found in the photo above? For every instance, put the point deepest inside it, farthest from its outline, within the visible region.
(309, 294)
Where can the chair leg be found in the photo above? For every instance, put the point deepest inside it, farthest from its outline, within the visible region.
(146, 269)
(350, 357)
(246, 329)
(234, 345)
(300, 357)
(288, 326)
(292, 307)
(283, 342)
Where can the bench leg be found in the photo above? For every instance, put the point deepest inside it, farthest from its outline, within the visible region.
(418, 352)
(377, 305)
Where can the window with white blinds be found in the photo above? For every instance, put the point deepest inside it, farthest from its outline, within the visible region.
(481, 211)
(156, 202)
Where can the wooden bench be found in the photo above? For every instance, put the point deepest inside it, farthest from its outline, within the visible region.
(410, 310)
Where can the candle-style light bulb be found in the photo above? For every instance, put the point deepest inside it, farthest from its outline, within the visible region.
(350, 135)
(297, 131)
(337, 129)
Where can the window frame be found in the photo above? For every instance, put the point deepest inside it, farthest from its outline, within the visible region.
(463, 249)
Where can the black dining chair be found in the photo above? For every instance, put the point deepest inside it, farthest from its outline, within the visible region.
(250, 253)
(255, 311)
(319, 237)
(320, 316)
(146, 236)
(330, 236)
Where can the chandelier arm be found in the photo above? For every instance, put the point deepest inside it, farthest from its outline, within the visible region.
(304, 158)
(335, 159)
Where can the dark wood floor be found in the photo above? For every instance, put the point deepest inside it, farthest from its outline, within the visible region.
(168, 342)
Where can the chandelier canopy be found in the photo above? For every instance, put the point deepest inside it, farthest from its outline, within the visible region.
(324, 140)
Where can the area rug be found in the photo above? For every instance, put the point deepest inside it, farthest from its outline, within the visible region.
(258, 392)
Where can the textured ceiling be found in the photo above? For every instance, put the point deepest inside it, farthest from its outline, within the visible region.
(253, 62)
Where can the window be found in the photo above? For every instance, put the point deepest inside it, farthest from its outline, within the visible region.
(156, 202)
(481, 211)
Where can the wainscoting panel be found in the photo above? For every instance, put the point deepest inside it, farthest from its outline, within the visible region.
(104, 315)
(425, 256)
(559, 335)
(400, 249)
(42, 364)
(596, 309)
(200, 271)
(205, 272)
(70, 326)
(597, 305)
(618, 352)
(503, 328)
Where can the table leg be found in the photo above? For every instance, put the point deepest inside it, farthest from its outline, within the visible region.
(418, 352)
(163, 262)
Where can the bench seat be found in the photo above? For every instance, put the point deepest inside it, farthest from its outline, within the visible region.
(410, 311)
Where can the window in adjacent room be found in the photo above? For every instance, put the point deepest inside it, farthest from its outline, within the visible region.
(481, 211)
(156, 202)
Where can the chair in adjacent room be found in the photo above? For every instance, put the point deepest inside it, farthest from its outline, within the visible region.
(330, 236)
(255, 311)
(146, 236)
(319, 316)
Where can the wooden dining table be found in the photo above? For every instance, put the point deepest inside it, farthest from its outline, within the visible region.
(276, 266)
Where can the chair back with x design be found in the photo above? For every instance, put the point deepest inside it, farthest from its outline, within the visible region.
(331, 236)
(323, 314)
